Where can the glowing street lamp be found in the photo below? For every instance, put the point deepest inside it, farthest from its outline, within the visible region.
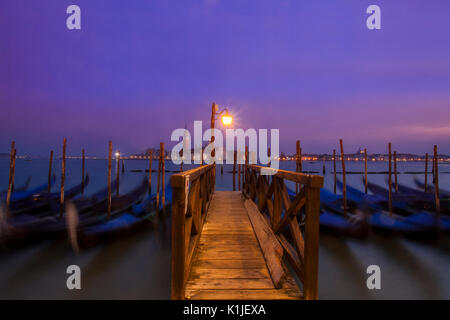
(226, 118)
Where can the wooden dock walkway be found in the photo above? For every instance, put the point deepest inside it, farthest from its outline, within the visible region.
(229, 263)
(261, 243)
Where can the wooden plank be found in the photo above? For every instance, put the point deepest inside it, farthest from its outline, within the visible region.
(231, 273)
(229, 264)
(266, 294)
(310, 283)
(302, 178)
(296, 205)
(271, 248)
(227, 284)
(292, 257)
(178, 241)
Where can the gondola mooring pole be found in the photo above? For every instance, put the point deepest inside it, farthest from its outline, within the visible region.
(239, 170)
(163, 174)
(49, 186)
(426, 172)
(181, 162)
(390, 179)
(118, 173)
(110, 147)
(297, 164)
(436, 183)
(14, 169)
(365, 171)
(11, 173)
(150, 159)
(234, 169)
(82, 170)
(245, 184)
(159, 177)
(395, 172)
(344, 183)
(63, 178)
(334, 169)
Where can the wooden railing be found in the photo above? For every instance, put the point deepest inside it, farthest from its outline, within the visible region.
(283, 211)
(192, 192)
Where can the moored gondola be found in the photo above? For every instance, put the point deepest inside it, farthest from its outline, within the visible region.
(91, 211)
(138, 215)
(18, 196)
(333, 220)
(404, 220)
(44, 201)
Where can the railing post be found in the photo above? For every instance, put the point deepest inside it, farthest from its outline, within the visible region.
(310, 285)
(178, 236)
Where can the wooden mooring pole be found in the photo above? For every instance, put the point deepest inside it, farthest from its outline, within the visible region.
(365, 170)
(245, 170)
(426, 172)
(123, 167)
(82, 170)
(390, 179)
(344, 182)
(118, 173)
(14, 170)
(239, 170)
(297, 165)
(432, 168)
(150, 159)
(11, 173)
(163, 175)
(49, 185)
(181, 162)
(109, 178)
(395, 172)
(158, 184)
(436, 183)
(334, 169)
(63, 178)
(234, 170)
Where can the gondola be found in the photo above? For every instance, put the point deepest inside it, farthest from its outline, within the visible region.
(18, 196)
(332, 218)
(26, 227)
(22, 188)
(430, 188)
(136, 216)
(43, 202)
(426, 200)
(408, 220)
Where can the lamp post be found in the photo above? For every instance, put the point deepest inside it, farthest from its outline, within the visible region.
(227, 119)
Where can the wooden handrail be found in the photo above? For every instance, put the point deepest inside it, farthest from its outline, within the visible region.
(192, 193)
(281, 210)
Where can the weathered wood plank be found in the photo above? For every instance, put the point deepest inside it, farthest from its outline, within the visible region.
(229, 284)
(229, 264)
(266, 294)
(231, 273)
(271, 248)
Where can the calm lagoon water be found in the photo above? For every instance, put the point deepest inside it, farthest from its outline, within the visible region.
(137, 266)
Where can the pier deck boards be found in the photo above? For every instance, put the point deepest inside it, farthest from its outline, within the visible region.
(228, 262)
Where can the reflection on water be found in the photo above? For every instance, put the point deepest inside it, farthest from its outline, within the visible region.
(137, 265)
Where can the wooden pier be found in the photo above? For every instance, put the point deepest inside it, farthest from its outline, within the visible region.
(237, 245)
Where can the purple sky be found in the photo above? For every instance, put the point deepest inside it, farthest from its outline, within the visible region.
(139, 69)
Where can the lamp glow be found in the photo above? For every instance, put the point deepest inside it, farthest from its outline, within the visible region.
(227, 120)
